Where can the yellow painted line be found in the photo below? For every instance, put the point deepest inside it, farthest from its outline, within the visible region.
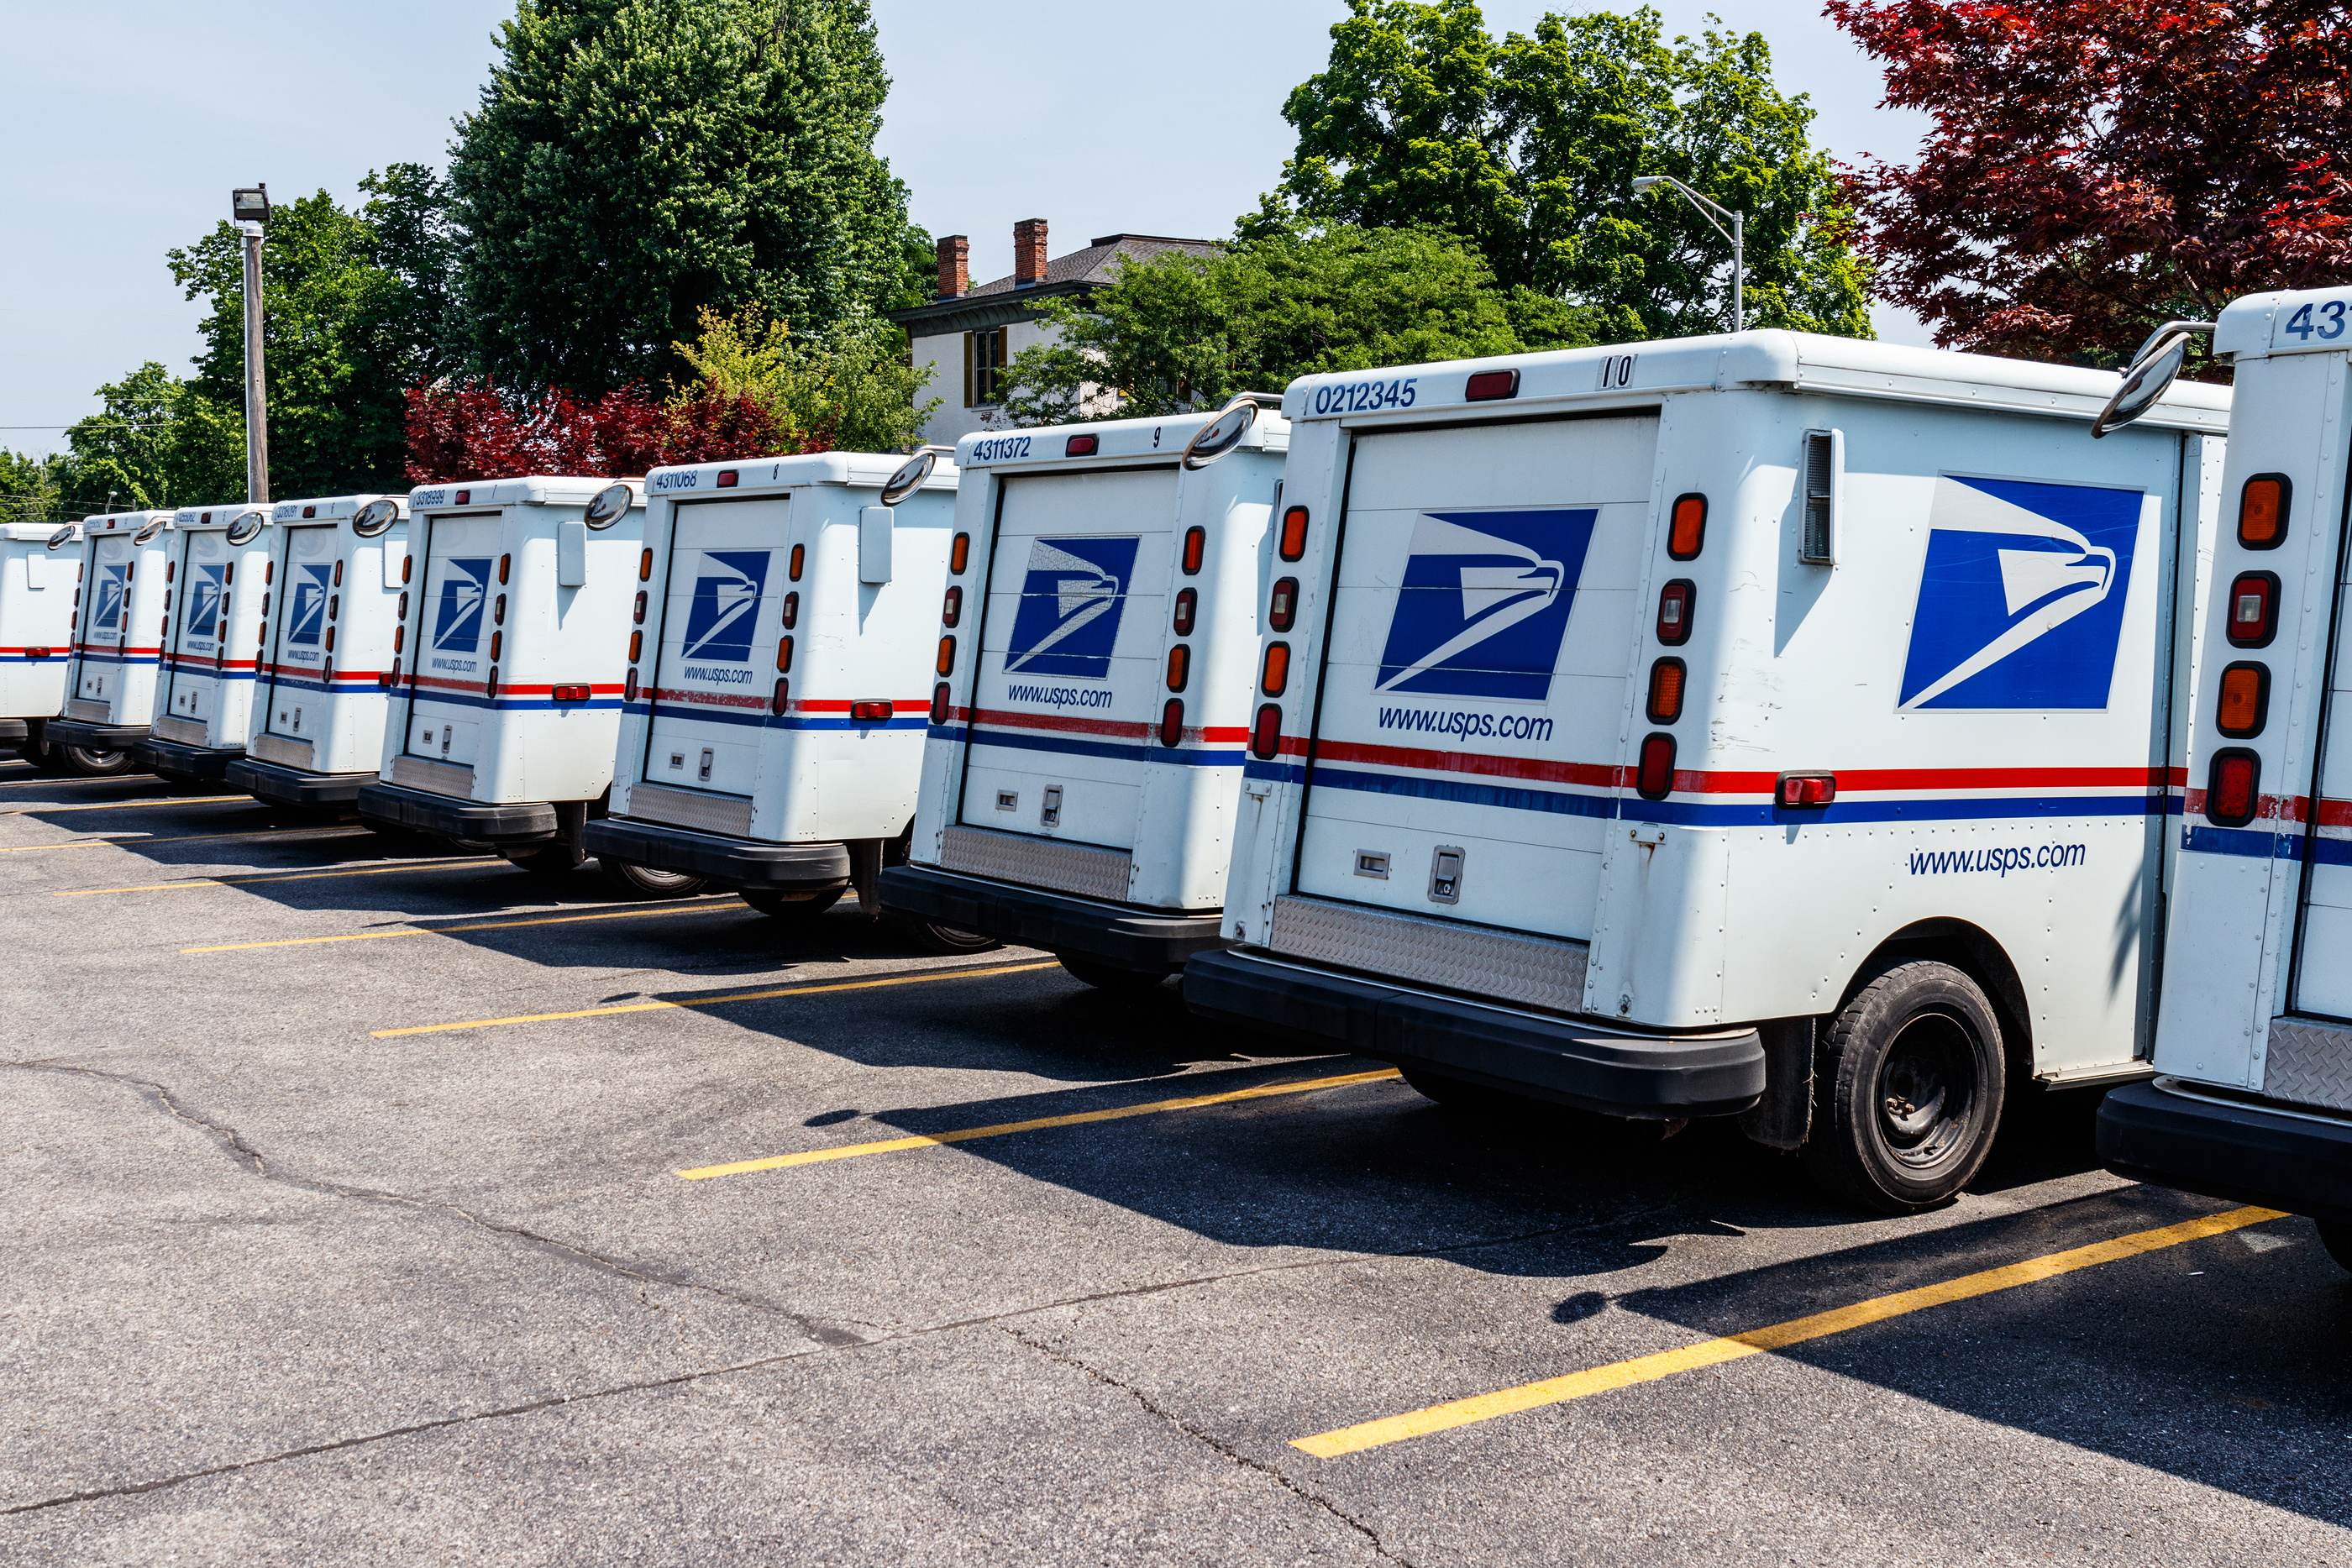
(133, 805)
(141, 840)
(714, 908)
(281, 876)
(965, 1134)
(716, 1001)
(1778, 1337)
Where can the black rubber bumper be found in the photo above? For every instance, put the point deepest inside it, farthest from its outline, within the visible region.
(283, 786)
(14, 730)
(92, 737)
(2245, 1152)
(1647, 1076)
(736, 863)
(421, 811)
(188, 764)
(1109, 933)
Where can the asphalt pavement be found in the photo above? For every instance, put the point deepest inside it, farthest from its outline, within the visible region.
(367, 1201)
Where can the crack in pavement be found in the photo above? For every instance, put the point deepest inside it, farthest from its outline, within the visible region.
(1152, 1407)
(242, 1153)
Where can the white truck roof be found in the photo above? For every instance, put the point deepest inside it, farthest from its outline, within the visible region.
(535, 489)
(865, 469)
(328, 508)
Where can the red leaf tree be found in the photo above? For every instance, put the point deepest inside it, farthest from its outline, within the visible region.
(2099, 166)
(472, 430)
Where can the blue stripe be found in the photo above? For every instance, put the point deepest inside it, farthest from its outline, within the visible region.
(118, 659)
(299, 683)
(216, 675)
(1469, 791)
(510, 705)
(2252, 844)
(1184, 756)
(29, 659)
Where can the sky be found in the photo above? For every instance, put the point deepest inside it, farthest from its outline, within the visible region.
(1099, 118)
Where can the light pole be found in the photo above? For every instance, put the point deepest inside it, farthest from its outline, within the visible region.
(1737, 234)
(250, 208)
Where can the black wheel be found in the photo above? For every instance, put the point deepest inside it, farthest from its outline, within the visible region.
(556, 859)
(1460, 1093)
(934, 937)
(1907, 1094)
(2336, 1236)
(644, 882)
(1110, 976)
(784, 906)
(85, 763)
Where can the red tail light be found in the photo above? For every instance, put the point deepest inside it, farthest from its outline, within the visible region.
(1667, 678)
(1265, 735)
(1276, 677)
(38, 653)
(2245, 701)
(2231, 788)
(490, 686)
(782, 699)
(2262, 511)
(946, 665)
(390, 680)
(940, 702)
(1656, 777)
(1172, 722)
(1687, 531)
(1800, 790)
(1282, 607)
(570, 693)
(465, 497)
(2253, 609)
(1078, 446)
(1293, 544)
(1179, 666)
(1196, 548)
(953, 611)
(628, 694)
(726, 479)
(871, 712)
(1487, 386)
(1676, 601)
(960, 554)
(1187, 605)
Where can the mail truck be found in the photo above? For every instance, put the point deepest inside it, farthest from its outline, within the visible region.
(1097, 646)
(118, 645)
(40, 572)
(217, 577)
(1766, 726)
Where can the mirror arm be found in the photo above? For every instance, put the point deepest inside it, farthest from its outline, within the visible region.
(2157, 337)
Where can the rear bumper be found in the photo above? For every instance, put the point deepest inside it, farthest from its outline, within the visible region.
(421, 811)
(2249, 1154)
(737, 862)
(283, 786)
(188, 764)
(1108, 933)
(1648, 1076)
(92, 737)
(14, 730)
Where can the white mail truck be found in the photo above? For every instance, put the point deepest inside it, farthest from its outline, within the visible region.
(335, 602)
(212, 639)
(1083, 775)
(2253, 1097)
(118, 644)
(779, 650)
(40, 569)
(1768, 725)
(508, 665)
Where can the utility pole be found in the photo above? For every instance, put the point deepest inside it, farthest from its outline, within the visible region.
(250, 207)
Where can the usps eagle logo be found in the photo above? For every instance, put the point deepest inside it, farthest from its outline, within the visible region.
(204, 600)
(2022, 596)
(726, 605)
(1071, 601)
(113, 581)
(307, 615)
(457, 617)
(1483, 603)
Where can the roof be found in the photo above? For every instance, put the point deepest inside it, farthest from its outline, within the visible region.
(1000, 301)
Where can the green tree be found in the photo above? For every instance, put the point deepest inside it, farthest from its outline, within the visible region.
(1182, 331)
(28, 488)
(848, 387)
(355, 310)
(636, 162)
(1526, 146)
(158, 441)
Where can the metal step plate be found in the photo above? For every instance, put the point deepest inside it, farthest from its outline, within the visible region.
(186, 731)
(708, 813)
(1085, 870)
(438, 777)
(2309, 1063)
(284, 751)
(87, 711)
(1476, 960)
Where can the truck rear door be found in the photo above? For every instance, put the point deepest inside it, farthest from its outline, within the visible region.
(296, 698)
(1069, 682)
(1465, 743)
(453, 663)
(196, 628)
(106, 616)
(732, 599)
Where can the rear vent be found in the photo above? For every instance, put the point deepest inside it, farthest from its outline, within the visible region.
(1825, 455)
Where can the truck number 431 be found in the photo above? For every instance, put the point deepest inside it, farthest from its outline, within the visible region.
(2331, 317)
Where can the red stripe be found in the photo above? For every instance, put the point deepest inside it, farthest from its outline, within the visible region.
(1125, 729)
(1699, 782)
(842, 704)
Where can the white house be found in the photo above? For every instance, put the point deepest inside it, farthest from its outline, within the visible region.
(968, 335)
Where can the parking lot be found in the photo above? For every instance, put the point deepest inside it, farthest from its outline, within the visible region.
(368, 1201)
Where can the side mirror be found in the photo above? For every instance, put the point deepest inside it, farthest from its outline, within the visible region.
(2152, 373)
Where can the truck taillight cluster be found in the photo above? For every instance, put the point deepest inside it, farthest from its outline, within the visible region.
(573, 693)
(2251, 620)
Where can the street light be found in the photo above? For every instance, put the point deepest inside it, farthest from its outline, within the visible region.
(1737, 234)
(249, 207)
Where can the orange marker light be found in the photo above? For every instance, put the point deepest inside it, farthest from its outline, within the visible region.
(1276, 677)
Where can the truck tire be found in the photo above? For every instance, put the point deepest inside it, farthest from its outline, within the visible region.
(1110, 977)
(1908, 1090)
(84, 763)
(948, 940)
(777, 905)
(2336, 1236)
(645, 882)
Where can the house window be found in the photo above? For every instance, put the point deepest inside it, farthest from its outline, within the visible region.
(984, 368)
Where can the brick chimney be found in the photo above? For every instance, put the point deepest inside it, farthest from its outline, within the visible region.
(1028, 252)
(955, 266)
